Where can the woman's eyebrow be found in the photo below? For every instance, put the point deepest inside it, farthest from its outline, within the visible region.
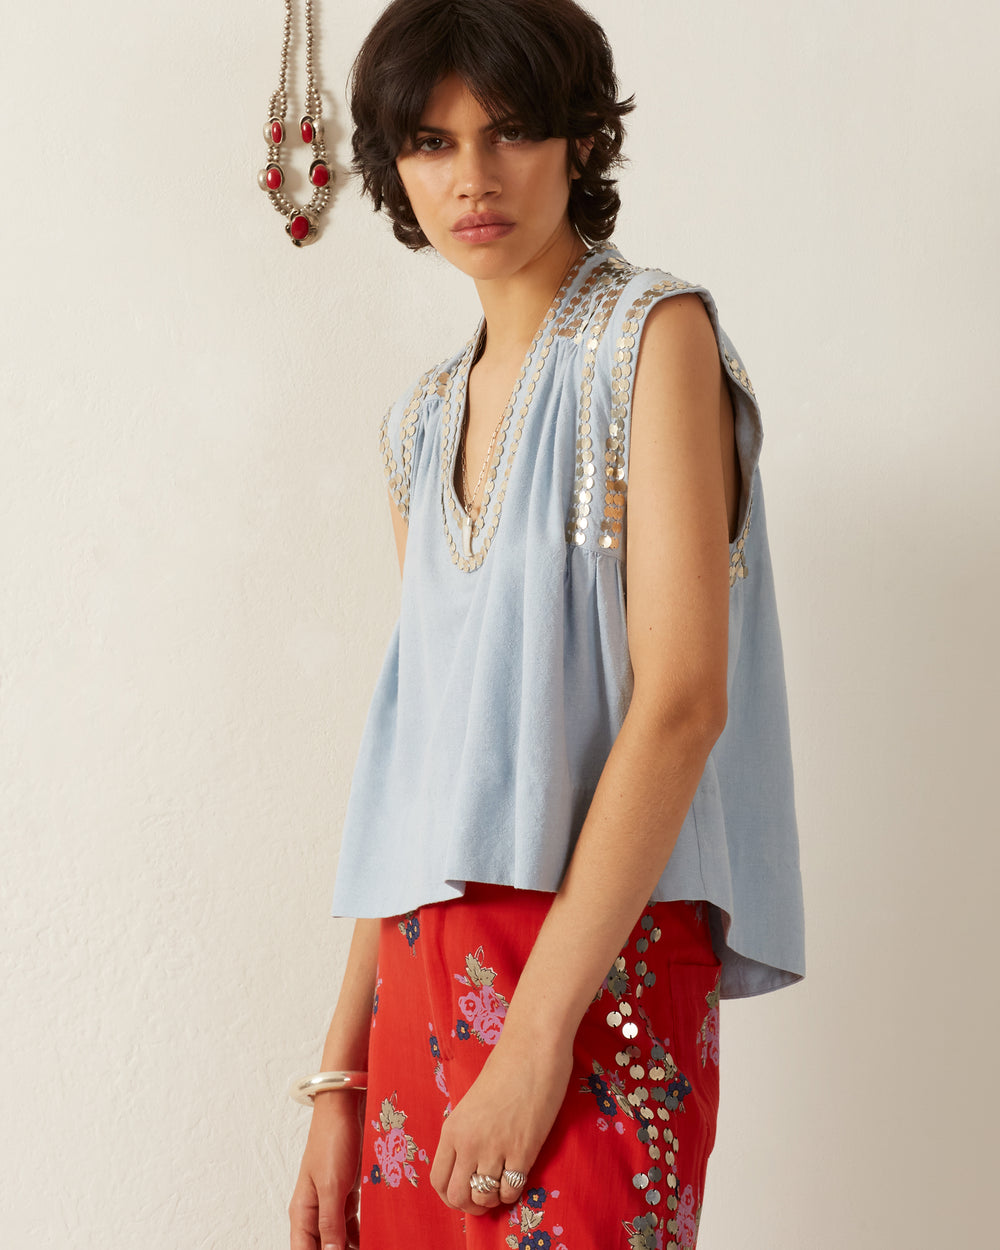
(424, 128)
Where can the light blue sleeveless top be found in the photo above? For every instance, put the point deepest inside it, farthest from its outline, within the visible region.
(508, 677)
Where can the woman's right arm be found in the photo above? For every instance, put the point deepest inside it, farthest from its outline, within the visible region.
(333, 1149)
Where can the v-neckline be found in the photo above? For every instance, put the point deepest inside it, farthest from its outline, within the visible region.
(461, 531)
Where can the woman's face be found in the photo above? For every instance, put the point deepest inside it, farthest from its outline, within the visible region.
(490, 200)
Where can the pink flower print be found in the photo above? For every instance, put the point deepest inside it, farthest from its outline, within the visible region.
(395, 1150)
(687, 1220)
(391, 1157)
(485, 1013)
(710, 1038)
(709, 1032)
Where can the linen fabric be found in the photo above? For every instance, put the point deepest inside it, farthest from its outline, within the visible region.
(624, 1165)
(508, 677)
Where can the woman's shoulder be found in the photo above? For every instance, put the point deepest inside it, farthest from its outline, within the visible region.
(613, 297)
(676, 313)
(430, 383)
(651, 286)
(407, 421)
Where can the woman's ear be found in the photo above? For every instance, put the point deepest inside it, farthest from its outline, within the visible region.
(584, 147)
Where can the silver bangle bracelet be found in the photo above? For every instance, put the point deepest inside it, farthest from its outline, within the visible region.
(306, 1089)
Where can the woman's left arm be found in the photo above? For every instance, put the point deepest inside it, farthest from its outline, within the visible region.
(678, 592)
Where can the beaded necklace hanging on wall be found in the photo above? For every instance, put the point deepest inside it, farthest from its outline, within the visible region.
(301, 224)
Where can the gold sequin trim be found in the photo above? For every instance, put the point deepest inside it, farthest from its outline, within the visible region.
(615, 483)
(738, 569)
(738, 561)
(586, 466)
(738, 372)
(615, 468)
(580, 310)
(452, 387)
(398, 476)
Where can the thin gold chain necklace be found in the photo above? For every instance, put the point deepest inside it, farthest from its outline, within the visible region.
(469, 501)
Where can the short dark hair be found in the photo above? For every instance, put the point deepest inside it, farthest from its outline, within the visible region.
(545, 62)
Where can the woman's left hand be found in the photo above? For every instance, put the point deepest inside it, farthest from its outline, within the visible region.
(502, 1122)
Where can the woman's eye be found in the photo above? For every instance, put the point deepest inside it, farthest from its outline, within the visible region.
(511, 134)
(429, 143)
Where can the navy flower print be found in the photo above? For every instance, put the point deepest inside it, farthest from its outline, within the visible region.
(607, 1088)
(528, 1217)
(599, 1088)
(409, 926)
(677, 1091)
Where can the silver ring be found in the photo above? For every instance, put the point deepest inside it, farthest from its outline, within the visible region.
(484, 1184)
(514, 1179)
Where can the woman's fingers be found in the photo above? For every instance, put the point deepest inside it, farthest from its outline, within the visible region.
(484, 1185)
(451, 1178)
(323, 1197)
(473, 1188)
(442, 1172)
(332, 1223)
(303, 1214)
(318, 1221)
(512, 1183)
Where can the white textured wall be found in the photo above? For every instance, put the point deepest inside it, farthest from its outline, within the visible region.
(197, 582)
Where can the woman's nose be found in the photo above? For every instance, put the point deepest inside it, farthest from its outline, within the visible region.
(475, 172)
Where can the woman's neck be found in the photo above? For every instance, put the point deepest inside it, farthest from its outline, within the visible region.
(514, 307)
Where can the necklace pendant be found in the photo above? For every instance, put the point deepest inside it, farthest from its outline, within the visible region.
(467, 536)
(300, 228)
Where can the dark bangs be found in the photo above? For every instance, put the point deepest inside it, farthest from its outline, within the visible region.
(545, 63)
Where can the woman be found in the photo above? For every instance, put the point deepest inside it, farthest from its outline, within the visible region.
(537, 767)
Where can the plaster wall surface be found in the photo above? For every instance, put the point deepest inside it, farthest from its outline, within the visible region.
(197, 583)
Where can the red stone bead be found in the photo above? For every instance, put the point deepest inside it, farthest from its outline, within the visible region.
(277, 132)
(308, 132)
(319, 175)
(274, 178)
(299, 227)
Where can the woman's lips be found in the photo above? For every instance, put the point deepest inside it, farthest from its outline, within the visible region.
(481, 227)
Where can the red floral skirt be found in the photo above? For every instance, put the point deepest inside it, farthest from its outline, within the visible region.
(624, 1166)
